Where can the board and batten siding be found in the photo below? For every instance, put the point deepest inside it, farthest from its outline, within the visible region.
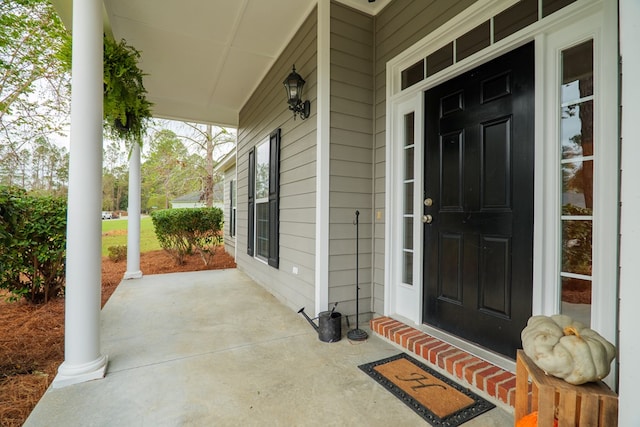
(351, 158)
(397, 27)
(265, 111)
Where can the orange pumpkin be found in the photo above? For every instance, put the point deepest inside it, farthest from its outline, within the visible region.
(531, 420)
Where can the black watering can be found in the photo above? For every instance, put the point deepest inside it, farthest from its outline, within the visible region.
(329, 326)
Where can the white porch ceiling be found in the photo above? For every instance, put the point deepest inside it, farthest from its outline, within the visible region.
(204, 58)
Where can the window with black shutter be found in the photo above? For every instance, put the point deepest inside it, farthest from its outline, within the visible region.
(274, 198)
(264, 200)
(232, 208)
(251, 215)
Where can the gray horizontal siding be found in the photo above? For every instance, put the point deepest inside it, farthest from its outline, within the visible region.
(351, 154)
(265, 111)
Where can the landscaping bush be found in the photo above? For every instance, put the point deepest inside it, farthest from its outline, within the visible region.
(117, 253)
(576, 239)
(181, 231)
(32, 244)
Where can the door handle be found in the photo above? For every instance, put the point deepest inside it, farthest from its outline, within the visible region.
(427, 219)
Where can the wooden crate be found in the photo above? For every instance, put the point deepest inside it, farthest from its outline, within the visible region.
(592, 404)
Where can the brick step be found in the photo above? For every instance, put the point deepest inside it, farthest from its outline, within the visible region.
(477, 374)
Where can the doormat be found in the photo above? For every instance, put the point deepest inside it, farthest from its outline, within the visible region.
(436, 398)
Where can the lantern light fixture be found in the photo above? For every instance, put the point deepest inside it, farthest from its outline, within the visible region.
(293, 84)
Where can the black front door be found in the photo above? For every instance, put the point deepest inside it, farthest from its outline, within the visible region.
(479, 160)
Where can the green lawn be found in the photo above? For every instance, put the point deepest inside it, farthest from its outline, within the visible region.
(148, 241)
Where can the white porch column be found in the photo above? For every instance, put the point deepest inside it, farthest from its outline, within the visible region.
(133, 212)
(83, 360)
(629, 318)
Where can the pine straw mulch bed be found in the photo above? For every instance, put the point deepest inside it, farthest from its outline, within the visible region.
(32, 336)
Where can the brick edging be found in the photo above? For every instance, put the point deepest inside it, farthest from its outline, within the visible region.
(472, 371)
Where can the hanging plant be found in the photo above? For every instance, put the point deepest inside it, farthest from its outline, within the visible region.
(126, 108)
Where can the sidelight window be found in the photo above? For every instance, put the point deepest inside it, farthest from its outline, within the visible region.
(408, 192)
(577, 166)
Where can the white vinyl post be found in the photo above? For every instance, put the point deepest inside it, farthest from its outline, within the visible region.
(82, 358)
(133, 215)
(322, 158)
(629, 316)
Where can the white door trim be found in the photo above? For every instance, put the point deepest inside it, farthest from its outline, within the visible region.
(585, 17)
(403, 299)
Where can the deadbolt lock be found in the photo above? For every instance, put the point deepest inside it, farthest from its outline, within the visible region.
(428, 201)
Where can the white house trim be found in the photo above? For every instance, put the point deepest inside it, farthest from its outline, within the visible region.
(586, 18)
(598, 27)
(404, 299)
(630, 206)
(370, 8)
(133, 215)
(322, 157)
(82, 358)
(470, 18)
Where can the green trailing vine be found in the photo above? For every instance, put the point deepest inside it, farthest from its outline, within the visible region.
(126, 108)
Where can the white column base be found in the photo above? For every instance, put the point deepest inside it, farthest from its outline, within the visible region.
(132, 275)
(70, 374)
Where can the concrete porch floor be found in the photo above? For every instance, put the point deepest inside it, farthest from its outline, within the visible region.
(214, 348)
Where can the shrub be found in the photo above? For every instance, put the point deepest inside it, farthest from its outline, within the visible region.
(33, 239)
(117, 253)
(181, 231)
(577, 236)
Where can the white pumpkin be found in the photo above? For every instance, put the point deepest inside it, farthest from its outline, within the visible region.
(567, 349)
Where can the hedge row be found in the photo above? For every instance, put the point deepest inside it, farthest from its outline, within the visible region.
(32, 244)
(183, 231)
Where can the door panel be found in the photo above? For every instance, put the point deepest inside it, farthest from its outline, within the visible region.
(479, 151)
(496, 164)
(451, 149)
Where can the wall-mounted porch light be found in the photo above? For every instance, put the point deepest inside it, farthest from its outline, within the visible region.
(293, 85)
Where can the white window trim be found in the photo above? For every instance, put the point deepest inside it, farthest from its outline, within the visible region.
(470, 18)
(605, 209)
(593, 18)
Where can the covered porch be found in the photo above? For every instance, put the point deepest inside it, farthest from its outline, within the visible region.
(214, 348)
(340, 158)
